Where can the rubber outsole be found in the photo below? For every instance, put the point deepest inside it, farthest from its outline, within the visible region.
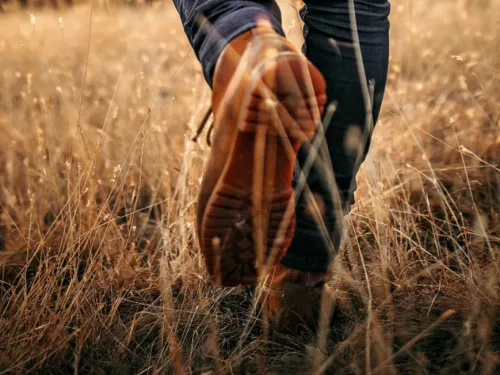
(249, 220)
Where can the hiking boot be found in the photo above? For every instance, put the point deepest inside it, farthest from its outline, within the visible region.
(297, 301)
(267, 99)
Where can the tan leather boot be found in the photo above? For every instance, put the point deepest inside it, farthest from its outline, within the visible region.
(267, 99)
(297, 301)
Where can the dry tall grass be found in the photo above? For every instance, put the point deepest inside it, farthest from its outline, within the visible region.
(99, 269)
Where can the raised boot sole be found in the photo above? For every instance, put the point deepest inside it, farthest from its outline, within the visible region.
(249, 219)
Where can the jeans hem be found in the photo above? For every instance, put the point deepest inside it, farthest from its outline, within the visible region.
(224, 30)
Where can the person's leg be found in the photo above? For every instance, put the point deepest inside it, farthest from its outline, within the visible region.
(211, 24)
(295, 300)
(329, 46)
(267, 100)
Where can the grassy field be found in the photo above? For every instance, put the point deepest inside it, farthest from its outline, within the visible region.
(99, 267)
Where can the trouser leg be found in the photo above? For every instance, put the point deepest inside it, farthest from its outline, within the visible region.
(211, 24)
(329, 46)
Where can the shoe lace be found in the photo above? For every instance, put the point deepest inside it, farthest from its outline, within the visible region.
(206, 118)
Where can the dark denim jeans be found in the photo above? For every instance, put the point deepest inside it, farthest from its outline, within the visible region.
(329, 46)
